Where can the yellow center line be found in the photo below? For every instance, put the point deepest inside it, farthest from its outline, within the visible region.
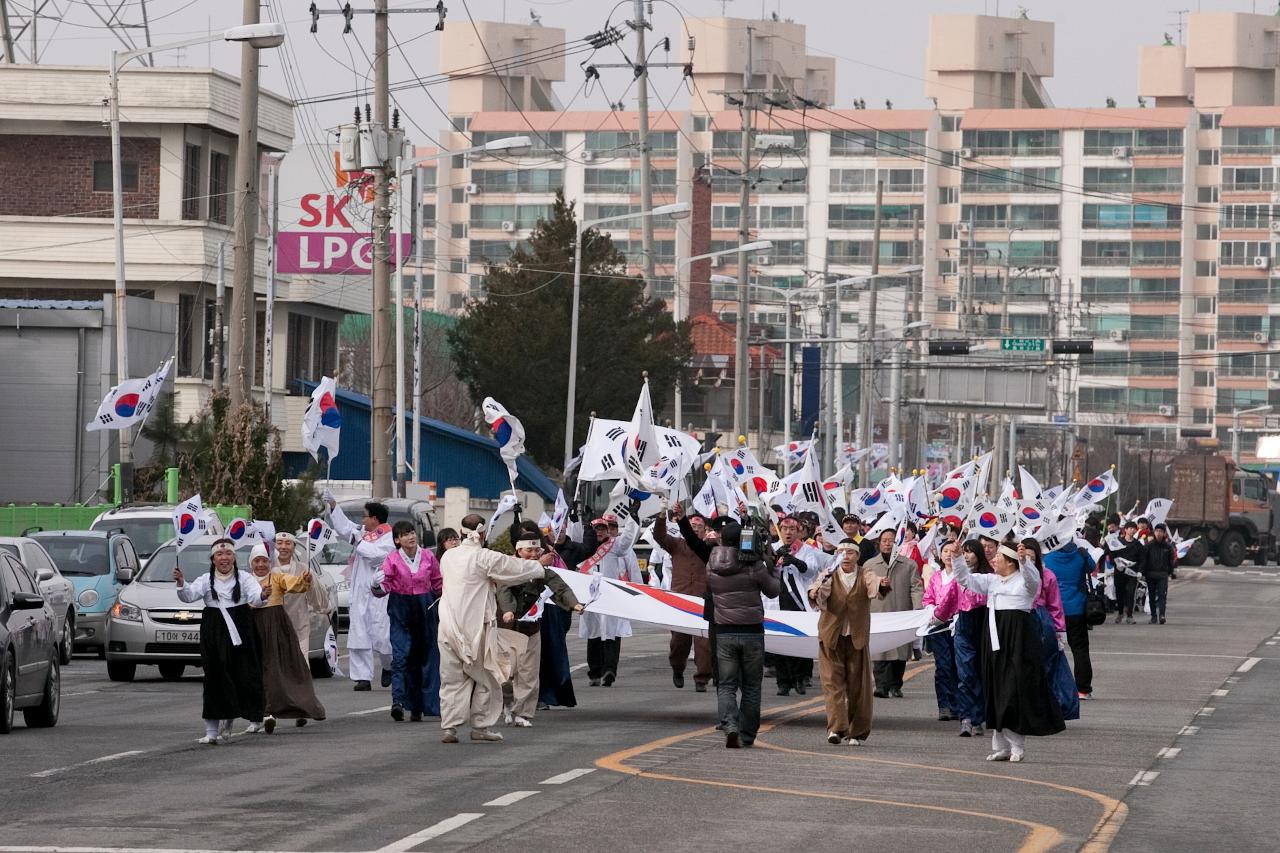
(1040, 837)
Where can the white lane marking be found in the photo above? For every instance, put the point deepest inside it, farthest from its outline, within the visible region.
(1169, 752)
(1187, 731)
(1249, 664)
(509, 799)
(1167, 655)
(44, 774)
(1205, 712)
(577, 666)
(1144, 778)
(34, 849)
(80, 693)
(1233, 680)
(433, 831)
(1271, 642)
(381, 710)
(568, 776)
(1220, 692)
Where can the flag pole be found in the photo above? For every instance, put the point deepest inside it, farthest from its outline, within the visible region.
(133, 437)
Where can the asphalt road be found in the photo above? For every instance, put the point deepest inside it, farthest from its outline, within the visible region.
(1175, 754)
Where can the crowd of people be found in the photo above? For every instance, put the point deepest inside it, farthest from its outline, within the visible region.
(475, 636)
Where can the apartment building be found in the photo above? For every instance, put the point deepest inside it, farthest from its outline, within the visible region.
(1149, 228)
(179, 130)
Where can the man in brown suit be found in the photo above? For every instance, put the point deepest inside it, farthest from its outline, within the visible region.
(843, 596)
(688, 566)
(899, 589)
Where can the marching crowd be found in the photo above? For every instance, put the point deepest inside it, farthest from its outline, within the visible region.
(473, 636)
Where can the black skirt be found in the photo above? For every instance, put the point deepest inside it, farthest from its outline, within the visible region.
(232, 674)
(1013, 678)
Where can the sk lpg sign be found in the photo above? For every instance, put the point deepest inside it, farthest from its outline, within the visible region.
(326, 243)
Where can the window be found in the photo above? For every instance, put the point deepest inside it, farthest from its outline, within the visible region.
(1248, 178)
(543, 144)
(1016, 142)
(102, 182)
(948, 195)
(524, 216)
(1037, 180)
(191, 183)
(1240, 253)
(1205, 305)
(1206, 268)
(1256, 290)
(1202, 379)
(1249, 140)
(1202, 416)
(1207, 232)
(458, 195)
(189, 335)
(1246, 215)
(1129, 289)
(260, 348)
(852, 143)
(724, 216)
(1136, 216)
(1204, 342)
(701, 124)
(1207, 195)
(950, 124)
(1210, 156)
(518, 180)
(1126, 179)
(219, 186)
(863, 215)
(458, 230)
(1210, 121)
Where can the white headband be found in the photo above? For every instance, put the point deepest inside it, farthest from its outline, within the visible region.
(529, 543)
(1009, 552)
(847, 546)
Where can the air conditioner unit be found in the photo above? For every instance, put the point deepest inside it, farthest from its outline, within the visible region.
(588, 156)
(1275, 225)
(962, 228)
(718, 261)
(1261, 337)
(1119, 334)
(1273, 375)
(966, 153)
(1121, 151)
(1275, 198)
(1167, 411)
(1262, 262)
(764, 260)
(473, 189)
(509, 226)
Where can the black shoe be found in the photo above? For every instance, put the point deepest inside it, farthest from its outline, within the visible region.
(915, 654)
(543, 706)
(896, 693)
(799, 689)
(595, 682)
(1161, 620)
(770, 672)
(784, 691)
(879, 694)
(700, 688)
(386, 678)
(415, 717)
(1154, 620)
(608, 679)
(397, 713)
(677, 678)
(731, 740)
(362, 687)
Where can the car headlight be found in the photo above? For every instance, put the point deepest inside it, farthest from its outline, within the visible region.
(127, 612)
(87, 598)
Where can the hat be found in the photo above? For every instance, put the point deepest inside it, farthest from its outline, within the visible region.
(259, 550)
(600, 522)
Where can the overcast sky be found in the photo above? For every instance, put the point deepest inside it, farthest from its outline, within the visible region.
(879, 46)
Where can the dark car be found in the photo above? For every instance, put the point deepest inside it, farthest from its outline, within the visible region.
(30, 679)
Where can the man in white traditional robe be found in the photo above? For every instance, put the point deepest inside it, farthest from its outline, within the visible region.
(612, 558)
(369, 631)
(473, 661)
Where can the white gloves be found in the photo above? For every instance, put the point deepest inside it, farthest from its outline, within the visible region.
(1062, 641)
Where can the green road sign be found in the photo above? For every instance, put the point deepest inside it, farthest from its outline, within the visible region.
(1022, 344)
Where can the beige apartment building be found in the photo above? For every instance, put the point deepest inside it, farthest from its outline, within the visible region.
(1149, 228)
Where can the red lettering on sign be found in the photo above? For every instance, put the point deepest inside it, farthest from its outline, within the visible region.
(312, 215)
(333, 211)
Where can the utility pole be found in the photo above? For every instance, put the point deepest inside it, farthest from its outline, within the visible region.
(6, 34)
(741, 369)
(383, 372)
(246, 219)
(869, 363)
(219, 302)
(898, 365)
(646, 184)
(830, 424)
(268, 330)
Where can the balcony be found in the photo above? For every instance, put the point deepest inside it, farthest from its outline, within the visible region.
(1144, 151)
(1021, 225)
(1128, 261)
(1129, 225)
(1127, 296)
(1016, 151)
(1011, 187)
(1250, 187)
(1132, 189)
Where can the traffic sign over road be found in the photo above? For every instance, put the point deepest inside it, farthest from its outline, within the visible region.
(1022, 344)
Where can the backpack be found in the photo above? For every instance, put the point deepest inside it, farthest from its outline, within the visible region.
(1095, 606)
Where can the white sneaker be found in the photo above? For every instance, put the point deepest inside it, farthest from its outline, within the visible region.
(507, 717)
(210, 741)
(521, 722)
(852, 741)
(1000, 755)
(224, 731)
(254, 728)
(1015, 757)
(486, 735)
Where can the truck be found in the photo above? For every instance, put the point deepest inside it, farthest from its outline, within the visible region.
(1233, 512)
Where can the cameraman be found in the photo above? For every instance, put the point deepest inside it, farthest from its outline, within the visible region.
(736, 580)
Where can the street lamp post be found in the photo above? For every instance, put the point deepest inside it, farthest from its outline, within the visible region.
(895, 394)
(679, 210)
(1235, 428)
(678, 304)
(255, 35)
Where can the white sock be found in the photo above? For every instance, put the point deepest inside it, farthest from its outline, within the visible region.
(211, 728)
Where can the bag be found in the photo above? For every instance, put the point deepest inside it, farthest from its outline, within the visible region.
(1095, 606)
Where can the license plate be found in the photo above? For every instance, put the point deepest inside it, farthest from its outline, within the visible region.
(344, 586)
(177, 636)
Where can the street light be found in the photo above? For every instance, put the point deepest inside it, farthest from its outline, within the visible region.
(256, 35)
(1235, 428)
(895, 390)
(677, 306)
(678, 210)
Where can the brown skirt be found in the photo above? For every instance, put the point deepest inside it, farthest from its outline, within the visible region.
(286, 677)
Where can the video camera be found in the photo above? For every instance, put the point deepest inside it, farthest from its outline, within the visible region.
(757, 540)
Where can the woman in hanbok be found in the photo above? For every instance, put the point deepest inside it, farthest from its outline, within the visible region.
(410, 576)
(229, 649)
(286, 676)
(939, 641)
(1053, 633)
(1019, 704)
(969, 609)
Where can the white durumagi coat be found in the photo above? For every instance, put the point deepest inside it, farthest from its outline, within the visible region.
(618, 564)
(370, 627)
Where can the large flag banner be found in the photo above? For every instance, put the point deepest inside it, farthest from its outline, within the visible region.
(507, 431)
(808, 493)
(186, 516)
(1157, 510)
(1096, 490)
(1030, 485)
(785, 632)
(129, 402)
(990, 520)
(604, 451)
(322, 422)
(641, 452)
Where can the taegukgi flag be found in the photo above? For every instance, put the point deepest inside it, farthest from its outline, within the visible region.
(507, 431)
(186, 517)
(129, 402)
(322, 422)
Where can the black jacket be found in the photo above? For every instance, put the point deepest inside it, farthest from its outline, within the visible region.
(1159, 560)
(734, 590)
